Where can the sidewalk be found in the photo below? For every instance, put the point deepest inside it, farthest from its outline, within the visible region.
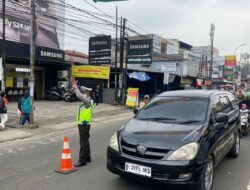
(55, 116)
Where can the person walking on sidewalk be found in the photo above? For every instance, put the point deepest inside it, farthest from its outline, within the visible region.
(3, 110)
(83, 118)
(26, 107)
(97, 95)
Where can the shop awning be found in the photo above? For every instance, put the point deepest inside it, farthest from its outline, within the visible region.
(141, 76)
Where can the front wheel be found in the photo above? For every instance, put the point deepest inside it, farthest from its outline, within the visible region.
(208, 175)
(235, 151)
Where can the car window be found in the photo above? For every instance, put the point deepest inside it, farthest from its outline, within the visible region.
(232, 100)
(175, 110)
(216, 106)
(226, 105)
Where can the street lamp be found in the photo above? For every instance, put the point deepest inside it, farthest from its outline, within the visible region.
(238, 69)
(239, 47)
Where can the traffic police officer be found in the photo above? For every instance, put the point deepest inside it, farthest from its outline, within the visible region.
(83, 118)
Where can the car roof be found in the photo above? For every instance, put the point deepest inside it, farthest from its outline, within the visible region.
(192, 93)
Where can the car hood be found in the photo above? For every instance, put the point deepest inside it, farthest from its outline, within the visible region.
(160, 135)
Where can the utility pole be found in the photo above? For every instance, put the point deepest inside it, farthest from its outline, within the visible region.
(212, 29)
(4, 49)
(33, 34)
(116, 48)
(123, 21)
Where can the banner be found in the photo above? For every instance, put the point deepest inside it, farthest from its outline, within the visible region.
(9, 81)
(98, 72)
(132, 97)
(18, 22)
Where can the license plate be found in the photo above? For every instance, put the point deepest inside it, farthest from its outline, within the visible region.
(138, 169)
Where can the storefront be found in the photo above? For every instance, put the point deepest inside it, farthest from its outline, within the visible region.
(48, 63)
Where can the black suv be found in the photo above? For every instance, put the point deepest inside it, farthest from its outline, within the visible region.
(178, 139)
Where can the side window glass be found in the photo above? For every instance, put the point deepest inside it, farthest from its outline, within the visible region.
(225, 104)
(216, 107)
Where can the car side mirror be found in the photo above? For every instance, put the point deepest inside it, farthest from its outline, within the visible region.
(136, 110)
(222, 117)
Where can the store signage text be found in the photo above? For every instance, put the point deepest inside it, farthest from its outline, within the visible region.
(140, 60)
(51, 54)
(140, 47)
(23, 70)
(99, 43)
(168, 67)
(19, 25)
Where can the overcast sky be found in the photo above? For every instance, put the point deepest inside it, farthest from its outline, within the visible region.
(188, 20)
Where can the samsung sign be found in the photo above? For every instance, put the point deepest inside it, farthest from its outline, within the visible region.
(99, 43)
(140, 47)
(48, 54)
(51, 54)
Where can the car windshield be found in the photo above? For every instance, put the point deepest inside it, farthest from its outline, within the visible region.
(175, 110)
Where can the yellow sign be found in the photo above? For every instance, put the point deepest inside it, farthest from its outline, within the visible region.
(230, 57)
(132, 97)
(9, 81)
(97, 72)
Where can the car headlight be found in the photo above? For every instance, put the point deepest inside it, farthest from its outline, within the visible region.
(113, 143)
(186, 152)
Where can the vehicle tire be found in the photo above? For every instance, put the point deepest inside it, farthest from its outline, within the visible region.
(235, 151)
(67, 99)
(54, 97)
(207, 175)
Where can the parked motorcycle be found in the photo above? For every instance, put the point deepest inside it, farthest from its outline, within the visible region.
(70, 96)
(56, 93)
(245, 125)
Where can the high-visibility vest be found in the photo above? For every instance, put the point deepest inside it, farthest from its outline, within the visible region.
(84, 115)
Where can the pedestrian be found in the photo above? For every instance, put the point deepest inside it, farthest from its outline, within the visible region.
(25, 103)
(97, 95)
(20, 113)
(83, 118)
(3, 110)
(145, 101)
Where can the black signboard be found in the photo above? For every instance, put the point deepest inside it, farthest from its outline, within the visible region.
(140, 47)
(144, 60)
(22, 51)
(99, 43)
(100, 50)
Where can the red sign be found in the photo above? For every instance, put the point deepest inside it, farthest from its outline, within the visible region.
(230, 63)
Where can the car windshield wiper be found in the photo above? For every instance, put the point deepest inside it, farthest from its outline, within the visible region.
(158, 119)
(190, 121)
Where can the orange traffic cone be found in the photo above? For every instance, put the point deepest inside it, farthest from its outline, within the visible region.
(66, 161)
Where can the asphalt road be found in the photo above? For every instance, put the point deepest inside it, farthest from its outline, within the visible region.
(29, 164)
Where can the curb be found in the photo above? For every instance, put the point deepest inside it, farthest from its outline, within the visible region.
(67, 126)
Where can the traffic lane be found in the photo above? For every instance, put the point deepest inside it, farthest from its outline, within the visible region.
(31, 165)
(234, 174)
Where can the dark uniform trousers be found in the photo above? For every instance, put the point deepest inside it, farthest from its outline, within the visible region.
(84, 153)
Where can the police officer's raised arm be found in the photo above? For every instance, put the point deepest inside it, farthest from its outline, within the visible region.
(83, 97)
